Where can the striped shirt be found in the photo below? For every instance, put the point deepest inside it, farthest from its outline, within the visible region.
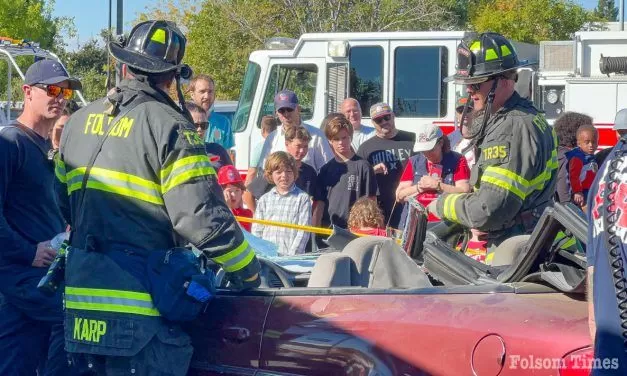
(293, 207)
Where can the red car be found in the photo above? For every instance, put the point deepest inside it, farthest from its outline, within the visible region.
(374, 310)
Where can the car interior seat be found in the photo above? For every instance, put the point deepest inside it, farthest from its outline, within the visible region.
(375, 262)
(508, 250)
(331, 270)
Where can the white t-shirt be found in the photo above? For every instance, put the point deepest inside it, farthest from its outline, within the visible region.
(319, 149)
(470, 154)
(361, 135)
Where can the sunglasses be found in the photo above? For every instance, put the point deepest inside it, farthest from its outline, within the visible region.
(54, 91)
(285, 110)
(202, 125)
(382, 119)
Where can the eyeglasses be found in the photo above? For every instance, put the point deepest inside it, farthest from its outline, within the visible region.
(285, 109)
(382, 119)
(54, 91)
(202, 125)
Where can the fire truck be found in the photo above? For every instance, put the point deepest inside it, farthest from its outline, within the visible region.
(404, 69)
(16, 53)
(587, 75)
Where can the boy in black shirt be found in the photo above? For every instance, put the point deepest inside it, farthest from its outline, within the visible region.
(345, 178)
(297, 144)
(388, 152)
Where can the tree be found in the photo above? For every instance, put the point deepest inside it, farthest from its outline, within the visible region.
(606, 10)
(89, 64)
(30, 20)
(530, 20)
(223, 33)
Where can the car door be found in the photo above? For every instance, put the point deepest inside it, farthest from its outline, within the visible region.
(352, 331)
(227, 336)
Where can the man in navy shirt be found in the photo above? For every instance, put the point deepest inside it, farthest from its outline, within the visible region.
(603, 312)
(31, 324)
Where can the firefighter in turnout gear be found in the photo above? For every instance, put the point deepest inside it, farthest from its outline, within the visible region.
(136, 186)
(515, 173)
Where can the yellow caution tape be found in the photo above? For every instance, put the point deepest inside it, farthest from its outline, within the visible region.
(315, 230)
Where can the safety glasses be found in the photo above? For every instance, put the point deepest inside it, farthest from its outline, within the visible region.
(54, 91)
(285, 110)
(202, 125)
(382, 119)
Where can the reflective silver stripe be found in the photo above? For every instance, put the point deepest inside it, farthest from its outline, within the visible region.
(109, 300)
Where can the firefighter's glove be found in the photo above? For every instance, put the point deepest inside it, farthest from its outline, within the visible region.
(240, 284)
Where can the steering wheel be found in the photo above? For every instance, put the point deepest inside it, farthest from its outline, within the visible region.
(267, 266)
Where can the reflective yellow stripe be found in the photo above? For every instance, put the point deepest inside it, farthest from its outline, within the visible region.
(489, 258)
(116, 182)
(505, 185)
(109, 293)
(59, 169)
(105, 300)
(112, 308)
(184, 170)
(449, 207)
(236, 259)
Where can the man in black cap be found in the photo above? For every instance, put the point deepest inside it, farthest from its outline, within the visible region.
(135, 183)
(31, 323)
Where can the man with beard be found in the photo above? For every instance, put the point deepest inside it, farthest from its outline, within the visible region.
(515, 173)
(387, 152)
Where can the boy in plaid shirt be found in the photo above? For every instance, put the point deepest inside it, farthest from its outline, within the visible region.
(284, 203)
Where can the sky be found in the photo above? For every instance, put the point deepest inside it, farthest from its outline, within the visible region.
(91, 16)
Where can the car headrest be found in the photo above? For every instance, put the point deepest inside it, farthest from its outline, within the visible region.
(381, 263)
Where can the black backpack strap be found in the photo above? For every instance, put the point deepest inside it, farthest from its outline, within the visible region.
(27, 132)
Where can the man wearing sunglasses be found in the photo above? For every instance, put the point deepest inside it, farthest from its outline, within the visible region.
(31, 323)
(515, 173)
(149, 194)
(387, 152)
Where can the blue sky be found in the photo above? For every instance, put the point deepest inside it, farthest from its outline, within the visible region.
(93, 15)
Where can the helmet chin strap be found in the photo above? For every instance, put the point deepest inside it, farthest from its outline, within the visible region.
(477, 136)
(181, 97)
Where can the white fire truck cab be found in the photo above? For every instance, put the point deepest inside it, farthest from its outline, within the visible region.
(404, 69)
(587, 75)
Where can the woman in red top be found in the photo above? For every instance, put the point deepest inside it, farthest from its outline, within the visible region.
(233, 188)
(366, 218)
(435, 169)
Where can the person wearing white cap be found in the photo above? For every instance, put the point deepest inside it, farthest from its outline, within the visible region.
(620, 126)
(435, 169)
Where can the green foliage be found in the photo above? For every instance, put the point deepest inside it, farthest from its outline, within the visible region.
(30, 20)
(530, 20)
(606, 10)
(222, 33)
(89, 64)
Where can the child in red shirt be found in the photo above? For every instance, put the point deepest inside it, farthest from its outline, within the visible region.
(365, 217)
(233, 188)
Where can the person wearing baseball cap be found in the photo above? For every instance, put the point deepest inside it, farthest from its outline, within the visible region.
(31, 322)
(433, 170)
(387, 152)
(620, 126)
(287, 109)
(233, 187)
